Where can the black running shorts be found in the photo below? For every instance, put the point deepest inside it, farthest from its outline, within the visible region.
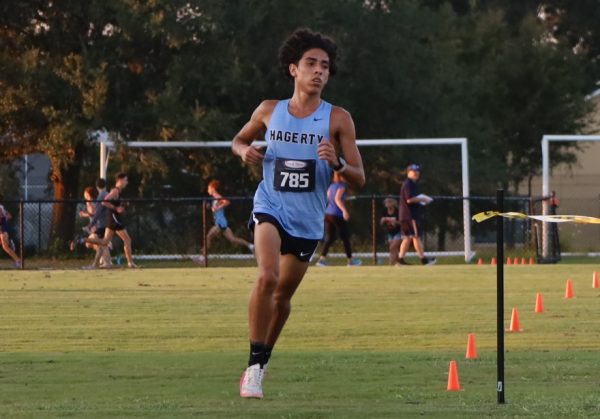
(303, 249)
(114, 223)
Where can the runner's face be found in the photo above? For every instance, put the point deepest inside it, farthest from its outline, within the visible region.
(123, 183)
(312, 71)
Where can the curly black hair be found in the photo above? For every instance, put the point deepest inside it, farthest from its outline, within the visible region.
(299, 42)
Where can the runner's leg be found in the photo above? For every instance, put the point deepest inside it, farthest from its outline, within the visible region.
(291, 272)
(124, 235)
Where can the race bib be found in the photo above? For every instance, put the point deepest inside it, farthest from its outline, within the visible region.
(294, 175)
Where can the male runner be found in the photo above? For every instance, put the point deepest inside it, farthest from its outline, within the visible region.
(305, 136)
(217, 207)
(99, 220)
(114, 225)
(98, 214)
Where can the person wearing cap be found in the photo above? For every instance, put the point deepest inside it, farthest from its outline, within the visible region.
(410, 216)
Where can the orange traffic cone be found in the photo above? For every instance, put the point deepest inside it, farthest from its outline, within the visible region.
(595, 281)
(539, 303)
(493, 261)
(531, 260)
(471, 349)
(453, 384)
(480, 261)
(569, 290)
(508, 261)
(514, 321)
(523, 261)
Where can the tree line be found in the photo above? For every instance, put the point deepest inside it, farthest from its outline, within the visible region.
(501, 73)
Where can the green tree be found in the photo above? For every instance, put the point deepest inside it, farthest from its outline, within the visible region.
(521, 88)
(52, 91)
(575, 23)
(194, 70)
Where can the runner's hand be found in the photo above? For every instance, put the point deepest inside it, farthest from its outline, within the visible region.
(326, 151)
(253, 155)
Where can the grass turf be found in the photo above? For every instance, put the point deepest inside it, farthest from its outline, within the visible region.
(361, 342)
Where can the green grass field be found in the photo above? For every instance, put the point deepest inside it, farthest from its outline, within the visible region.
(361, 342)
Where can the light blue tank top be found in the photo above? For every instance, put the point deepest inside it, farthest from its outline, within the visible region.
(295, 181)
(219, 215)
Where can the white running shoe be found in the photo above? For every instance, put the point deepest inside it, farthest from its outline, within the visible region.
(251, 382)
(198, 259)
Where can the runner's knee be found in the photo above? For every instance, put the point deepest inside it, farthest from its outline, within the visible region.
(267, 281)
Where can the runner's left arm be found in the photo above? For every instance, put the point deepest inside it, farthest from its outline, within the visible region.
(344, 135)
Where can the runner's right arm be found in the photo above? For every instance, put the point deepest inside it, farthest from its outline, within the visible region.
(242, 142)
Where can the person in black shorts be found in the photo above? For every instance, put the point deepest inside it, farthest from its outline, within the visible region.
(99, 222)
(389, 220)
(97, 213)
(410, 216)
(90, 195)
(307, 138)
(114, 224)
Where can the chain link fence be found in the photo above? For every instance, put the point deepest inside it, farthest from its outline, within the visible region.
(175, 229)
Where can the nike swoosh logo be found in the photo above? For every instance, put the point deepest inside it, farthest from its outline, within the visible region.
(302, 254)
(317, 119)
(255, 353)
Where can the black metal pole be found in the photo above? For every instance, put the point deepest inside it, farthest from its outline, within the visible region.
(22, 233)
(39, 247)
(500, 293)
(204, 234)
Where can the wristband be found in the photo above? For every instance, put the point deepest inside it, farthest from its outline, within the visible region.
(341, 166)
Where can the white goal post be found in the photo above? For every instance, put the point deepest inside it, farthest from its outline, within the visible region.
(546, 140)
(106, 145)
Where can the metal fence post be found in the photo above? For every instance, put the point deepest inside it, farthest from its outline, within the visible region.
(204, 248)
(137, 222)
(374, 228)
(22, 233)
(39, 246)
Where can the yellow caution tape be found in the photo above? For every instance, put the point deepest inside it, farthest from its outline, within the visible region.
(579, 219)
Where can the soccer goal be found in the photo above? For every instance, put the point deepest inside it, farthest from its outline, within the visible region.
(579, 204)
(462, 143)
